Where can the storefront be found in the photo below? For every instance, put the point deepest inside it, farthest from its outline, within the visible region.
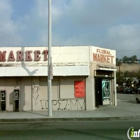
(83, 78)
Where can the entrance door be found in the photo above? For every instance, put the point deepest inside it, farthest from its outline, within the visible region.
(106, 91)
(98, 92)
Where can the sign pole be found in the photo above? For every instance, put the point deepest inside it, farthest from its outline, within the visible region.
(49, 62)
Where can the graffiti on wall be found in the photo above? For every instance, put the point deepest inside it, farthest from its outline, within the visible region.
(64, 104)
(35, 91)
(58, 104)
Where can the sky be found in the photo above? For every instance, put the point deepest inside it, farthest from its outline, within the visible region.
(111, 24)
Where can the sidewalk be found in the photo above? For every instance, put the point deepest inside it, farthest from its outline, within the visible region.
(124, 110)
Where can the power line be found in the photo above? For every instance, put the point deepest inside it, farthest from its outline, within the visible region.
(128, 50)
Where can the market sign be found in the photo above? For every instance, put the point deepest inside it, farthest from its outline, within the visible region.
(79, 89)
(23, 56)
(103, 55)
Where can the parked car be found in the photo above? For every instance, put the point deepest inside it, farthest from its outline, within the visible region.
(120, 89)
(138, 89)
(138, 97)
(127, 90)
(134, 90)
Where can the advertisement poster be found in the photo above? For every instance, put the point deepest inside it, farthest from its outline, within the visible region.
(79, 89)
(106, 91)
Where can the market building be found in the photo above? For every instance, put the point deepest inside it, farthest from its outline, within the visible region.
(84, 77)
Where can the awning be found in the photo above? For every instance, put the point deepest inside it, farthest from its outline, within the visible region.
(106, 68)
(43, 71)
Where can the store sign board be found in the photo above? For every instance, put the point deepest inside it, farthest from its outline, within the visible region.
(23, 56)
(103, 55)
(79, 89)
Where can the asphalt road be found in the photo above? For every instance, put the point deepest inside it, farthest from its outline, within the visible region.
(127, 97)
(90, 130)
(81, 130)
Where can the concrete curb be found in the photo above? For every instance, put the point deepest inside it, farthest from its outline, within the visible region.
(44, 120)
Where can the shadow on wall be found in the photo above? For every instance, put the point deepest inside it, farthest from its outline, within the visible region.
(25, 82)
(11, 98)
(14, 102)
(30, 73)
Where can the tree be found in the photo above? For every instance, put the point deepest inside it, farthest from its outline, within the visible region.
(128, 81)
(118, 62)
(133, 58)
(125, 59)
(120, 78)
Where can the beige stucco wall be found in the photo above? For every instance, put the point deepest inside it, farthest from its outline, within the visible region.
(62, 94)
(64, 55)
(67, 86)
(25, 94)
(9, 84)
(33, 93)
(33, 89)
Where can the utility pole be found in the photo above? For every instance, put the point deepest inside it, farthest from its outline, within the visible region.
(49, 62)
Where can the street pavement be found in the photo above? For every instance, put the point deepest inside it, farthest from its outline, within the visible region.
(127, 108)
(79, 130)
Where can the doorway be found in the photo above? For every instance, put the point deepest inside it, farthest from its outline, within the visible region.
(102, 91)
(98, 92)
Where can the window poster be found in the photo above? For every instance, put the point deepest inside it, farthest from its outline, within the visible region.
(79, 89)
(106, 91)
